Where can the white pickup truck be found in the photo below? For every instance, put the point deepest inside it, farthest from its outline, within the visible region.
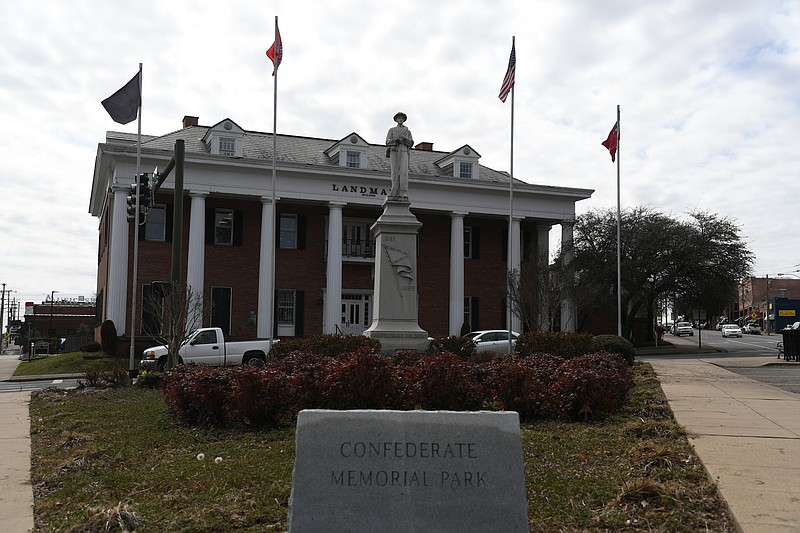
(207, 346)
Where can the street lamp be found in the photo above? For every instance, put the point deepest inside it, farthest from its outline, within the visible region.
(50, 327)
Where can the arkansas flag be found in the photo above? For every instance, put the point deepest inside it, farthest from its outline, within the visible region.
(275, 52)
(612, 141)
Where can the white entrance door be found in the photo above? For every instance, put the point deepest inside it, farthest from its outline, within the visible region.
(356, 313)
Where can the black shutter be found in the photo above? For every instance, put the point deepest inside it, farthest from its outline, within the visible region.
(476, 242)
(476, 314)
(275, 314)
(504, 244)
(301, 232)
(503, 323)
(238, 226)
(210, 223)
(168, 220)
(278, 230)
(299, 315)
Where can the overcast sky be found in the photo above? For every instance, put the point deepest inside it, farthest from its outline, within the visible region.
(709, 93)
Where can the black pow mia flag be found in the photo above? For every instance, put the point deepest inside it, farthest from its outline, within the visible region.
(123, 105)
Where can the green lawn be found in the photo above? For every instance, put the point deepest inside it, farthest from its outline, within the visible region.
(115, 454)
(71, 363)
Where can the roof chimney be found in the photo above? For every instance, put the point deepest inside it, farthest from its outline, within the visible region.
(189, 121)
(428, 147)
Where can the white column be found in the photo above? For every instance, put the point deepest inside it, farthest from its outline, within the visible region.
(542, 268)
(265, 261)
(117, 282)
(567, 305)
(195, 266)
(333, 290)
(456, 273)
(514, 255)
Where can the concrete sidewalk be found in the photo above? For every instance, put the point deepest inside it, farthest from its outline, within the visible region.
(746, 433)
(16, 493)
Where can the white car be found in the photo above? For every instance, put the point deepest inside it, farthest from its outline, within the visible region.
(493, 340)
(683, 328)
(754, 329)
(731, 330)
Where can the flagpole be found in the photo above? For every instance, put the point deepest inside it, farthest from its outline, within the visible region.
(619, 239)
(271, 310)
(135, 280)
(511, 216)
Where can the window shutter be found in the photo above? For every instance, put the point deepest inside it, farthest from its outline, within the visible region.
(503, 321)
(168, 221)
(275, 314)
(504, 244)
(277, 230)
(299, 315)
(238, 226)
(476, 320)
(301, 232)
(476, 242)
(210, 215)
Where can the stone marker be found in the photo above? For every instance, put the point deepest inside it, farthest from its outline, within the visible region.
(407, 471)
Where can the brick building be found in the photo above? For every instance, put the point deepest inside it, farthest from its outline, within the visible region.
(58, 318)
(328, 194)
(756, 295)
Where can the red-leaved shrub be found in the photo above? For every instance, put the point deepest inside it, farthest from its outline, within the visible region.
(512, 384)
(442, 382)
(359, 380)
(589, 386)
(197, 394)
(259, 397)
(306, 373)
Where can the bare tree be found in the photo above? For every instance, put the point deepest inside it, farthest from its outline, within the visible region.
(173, 310)
(535, 293)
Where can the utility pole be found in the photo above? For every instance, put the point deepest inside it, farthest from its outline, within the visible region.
(766, 310)
(2, 317)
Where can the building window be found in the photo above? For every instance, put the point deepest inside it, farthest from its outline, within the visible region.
(221, 309)
(223, 226)
(286, 309)
(227, 146)
(353, 159)
(288, 232)
(152, 310)
(357, 240)
(465, 170)
(155, 229)
(468, 311)
(467, 242)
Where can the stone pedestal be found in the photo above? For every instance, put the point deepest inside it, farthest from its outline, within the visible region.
(395, 312)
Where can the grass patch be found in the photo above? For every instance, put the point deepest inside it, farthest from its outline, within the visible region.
(109, 457)
(70, 363)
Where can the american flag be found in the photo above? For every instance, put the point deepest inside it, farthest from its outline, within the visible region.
(275, 52)
(508, 81)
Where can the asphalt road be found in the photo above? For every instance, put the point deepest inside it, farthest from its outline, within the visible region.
(763, 347)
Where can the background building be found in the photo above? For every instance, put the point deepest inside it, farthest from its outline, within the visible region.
(756, 299)
(328, 195)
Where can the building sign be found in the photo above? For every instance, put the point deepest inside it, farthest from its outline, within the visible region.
(786, 312)
(358, 189)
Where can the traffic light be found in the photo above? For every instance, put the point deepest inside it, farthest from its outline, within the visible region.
(145, 192)
(132, 203)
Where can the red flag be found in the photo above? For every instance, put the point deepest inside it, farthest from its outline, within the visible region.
(508, 81)
(275, 52)
(611, 142)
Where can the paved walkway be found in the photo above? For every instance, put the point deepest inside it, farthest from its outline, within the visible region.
(16, 493)
(746, 433)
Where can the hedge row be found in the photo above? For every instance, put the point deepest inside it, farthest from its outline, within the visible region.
(539, 386)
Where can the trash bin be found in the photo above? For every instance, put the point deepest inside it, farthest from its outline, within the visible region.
(791, 344)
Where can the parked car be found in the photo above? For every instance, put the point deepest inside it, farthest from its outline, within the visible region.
(683, 328)
(731, 330)
(208, 346)
(492, 340)
(753, 329)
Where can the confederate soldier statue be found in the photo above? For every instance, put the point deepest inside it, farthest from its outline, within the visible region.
(398, 143)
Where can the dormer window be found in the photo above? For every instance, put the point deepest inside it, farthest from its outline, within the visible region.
(465, 170)
(227, 146)
(461, 163)
(225, 138)
(353, 159)
(349, 152)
